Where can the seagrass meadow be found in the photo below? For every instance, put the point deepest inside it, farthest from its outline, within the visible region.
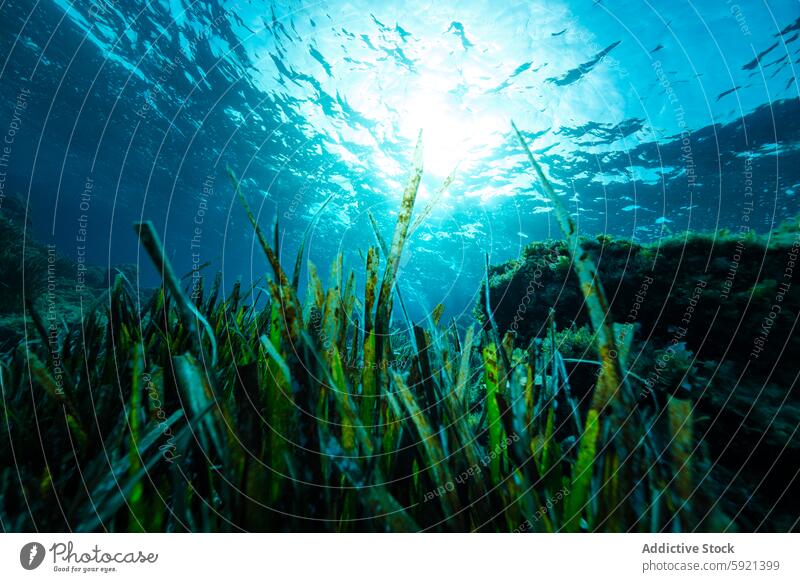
(265, 410)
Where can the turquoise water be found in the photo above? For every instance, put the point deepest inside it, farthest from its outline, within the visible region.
(651, 119)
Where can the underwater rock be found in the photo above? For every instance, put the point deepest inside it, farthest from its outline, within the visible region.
(37, 276)
(713, 316)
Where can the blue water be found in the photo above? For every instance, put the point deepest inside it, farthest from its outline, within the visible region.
(651, 119)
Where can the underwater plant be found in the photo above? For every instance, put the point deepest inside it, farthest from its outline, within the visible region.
(289, 413)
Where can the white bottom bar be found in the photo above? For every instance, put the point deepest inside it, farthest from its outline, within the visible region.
(401, 557)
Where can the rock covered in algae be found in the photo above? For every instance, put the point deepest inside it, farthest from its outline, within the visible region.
(714, 318)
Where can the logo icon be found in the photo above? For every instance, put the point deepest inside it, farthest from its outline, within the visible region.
(31, 555)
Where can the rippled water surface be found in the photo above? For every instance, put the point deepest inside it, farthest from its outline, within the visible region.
(651, 118)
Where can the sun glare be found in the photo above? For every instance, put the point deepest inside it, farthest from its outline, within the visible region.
(452, 134)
